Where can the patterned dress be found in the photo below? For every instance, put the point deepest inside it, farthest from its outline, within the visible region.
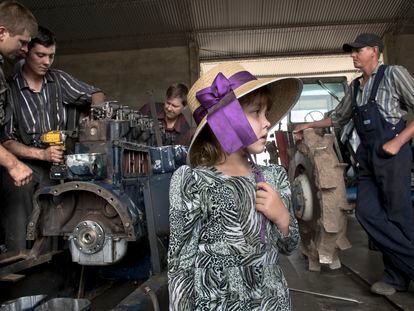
(216, 260)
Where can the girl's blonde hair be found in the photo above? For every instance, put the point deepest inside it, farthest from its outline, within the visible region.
(206, 149)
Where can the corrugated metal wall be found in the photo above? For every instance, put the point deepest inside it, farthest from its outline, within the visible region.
(220, 28)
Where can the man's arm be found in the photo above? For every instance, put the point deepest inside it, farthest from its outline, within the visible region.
(404, 86)
(76, 91)
(298, 131)
(50, 154)
(393, 146)
(96, 98)
(19, 172)
(337, 118)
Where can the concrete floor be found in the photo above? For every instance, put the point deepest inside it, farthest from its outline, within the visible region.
(360, 268)
(350, 284)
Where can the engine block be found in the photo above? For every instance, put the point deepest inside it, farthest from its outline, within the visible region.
(100, 206)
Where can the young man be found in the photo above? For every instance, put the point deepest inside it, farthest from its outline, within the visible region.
(41, 96)
(176, 127)
(377, 102)
(17, 25)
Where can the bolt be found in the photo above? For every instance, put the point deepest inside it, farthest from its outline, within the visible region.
(127, 224)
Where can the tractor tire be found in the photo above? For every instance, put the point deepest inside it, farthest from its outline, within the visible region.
(319, 199)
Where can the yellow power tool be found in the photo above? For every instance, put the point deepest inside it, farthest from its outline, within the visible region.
(56, 138)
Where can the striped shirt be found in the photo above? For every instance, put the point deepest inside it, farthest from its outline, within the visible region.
(44, 111)
(395, 96)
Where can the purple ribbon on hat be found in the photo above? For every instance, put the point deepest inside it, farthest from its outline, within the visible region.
(230, 126)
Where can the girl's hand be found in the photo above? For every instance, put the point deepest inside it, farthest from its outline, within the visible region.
(269, 203)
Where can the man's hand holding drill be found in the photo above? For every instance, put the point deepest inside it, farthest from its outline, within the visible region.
(54, 153)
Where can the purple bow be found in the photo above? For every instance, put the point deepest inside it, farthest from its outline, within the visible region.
(230, 126)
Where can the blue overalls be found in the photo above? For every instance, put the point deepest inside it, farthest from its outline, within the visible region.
(384, 189)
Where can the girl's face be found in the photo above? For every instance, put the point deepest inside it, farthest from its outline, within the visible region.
(256, 115)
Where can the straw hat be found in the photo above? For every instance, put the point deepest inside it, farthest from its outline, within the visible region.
(284, 92)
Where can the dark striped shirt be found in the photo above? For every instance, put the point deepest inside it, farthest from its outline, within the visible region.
(45, 110)
(395, 96)
(3, 92)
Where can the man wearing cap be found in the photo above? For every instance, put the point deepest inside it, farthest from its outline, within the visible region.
(377, 101)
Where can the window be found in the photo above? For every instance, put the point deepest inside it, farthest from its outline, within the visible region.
(316, 100)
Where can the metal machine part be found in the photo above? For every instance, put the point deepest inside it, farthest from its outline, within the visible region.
(112, 251)
(23, 303)
(302, 197)
(319, 197)
(86, 166)
(112, 204)
(97, 218)
(88, 237)
(89, 244)
(100, 207)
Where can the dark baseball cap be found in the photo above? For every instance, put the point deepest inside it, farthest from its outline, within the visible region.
(364, 39)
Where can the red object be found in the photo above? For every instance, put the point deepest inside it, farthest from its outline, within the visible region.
(282, 148)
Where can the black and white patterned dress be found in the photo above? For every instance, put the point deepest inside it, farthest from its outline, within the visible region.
(216, 260)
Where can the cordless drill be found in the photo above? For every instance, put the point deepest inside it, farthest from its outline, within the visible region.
(56, 138)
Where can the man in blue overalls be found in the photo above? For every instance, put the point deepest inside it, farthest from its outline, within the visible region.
(377, 102)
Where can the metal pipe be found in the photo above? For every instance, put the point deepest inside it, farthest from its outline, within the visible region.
(153, 296)
(81, 289)
(324, 295)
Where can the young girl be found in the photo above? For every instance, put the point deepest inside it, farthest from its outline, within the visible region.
(230, 218)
